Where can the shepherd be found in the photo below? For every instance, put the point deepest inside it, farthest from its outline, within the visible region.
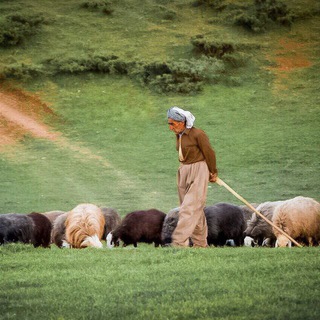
(197, 167)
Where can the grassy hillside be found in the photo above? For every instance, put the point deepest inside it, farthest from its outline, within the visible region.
(101, 79)
(261, 116)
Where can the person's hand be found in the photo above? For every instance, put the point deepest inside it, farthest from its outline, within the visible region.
(213, 177)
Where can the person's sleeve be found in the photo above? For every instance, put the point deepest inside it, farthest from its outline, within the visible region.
(208, 152)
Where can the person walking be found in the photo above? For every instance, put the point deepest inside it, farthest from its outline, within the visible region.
(197, 167)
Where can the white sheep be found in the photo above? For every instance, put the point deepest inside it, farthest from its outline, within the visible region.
(85, 226)
(299, 218)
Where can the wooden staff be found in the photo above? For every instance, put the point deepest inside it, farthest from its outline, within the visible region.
(222, 183)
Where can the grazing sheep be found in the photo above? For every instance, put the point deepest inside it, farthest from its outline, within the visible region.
(42, 230)
(58, 234)
(53, 215)
(225, 222)
(16, 228)
(112, 219)
(300, 219)
(222, 219)
(169, 224)
(85, 226)
(139, 226)
(258, 228)
(247, 212)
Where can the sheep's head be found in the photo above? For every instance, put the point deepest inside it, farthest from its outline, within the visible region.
(113, 239)
(249, 242)
(109, 240)
(92, 241)
(283, 241)
(169, 225)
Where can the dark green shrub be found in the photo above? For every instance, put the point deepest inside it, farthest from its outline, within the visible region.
(276, 11)
(211, 48)
(95, 63)
(165, 13)
(251, 21)
(16, 28)
(104, 6)
(218, 5)
(68, 65)
(183, 76)
(236, 60)
(263, 12)
(153, 70)
(22, 71)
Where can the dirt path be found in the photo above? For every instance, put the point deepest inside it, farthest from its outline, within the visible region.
(25, 122)
(22, 114)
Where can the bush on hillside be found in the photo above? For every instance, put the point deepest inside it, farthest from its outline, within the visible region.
(183, 76)
(236, 60)
(165, 13)
(218, 5)
(104, 6)
(96, 63)
(258, 16)
(211, 48)
(22, 71)
(16, 28)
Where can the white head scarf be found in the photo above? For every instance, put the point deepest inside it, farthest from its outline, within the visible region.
(181, 115)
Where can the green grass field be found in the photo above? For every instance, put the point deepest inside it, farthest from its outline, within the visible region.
(163, 283)
(115, 150)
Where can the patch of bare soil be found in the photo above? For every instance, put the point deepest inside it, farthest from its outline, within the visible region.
(22, 114)
(287, 57)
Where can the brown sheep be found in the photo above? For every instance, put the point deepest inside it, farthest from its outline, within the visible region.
(138, 226)
(42, 230)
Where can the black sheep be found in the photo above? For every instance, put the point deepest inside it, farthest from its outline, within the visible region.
(225, 221)
(16, 228)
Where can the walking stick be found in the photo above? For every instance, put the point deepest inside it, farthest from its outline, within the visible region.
(222, 183)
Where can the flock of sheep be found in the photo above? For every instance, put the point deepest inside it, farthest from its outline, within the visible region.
(87, 225)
